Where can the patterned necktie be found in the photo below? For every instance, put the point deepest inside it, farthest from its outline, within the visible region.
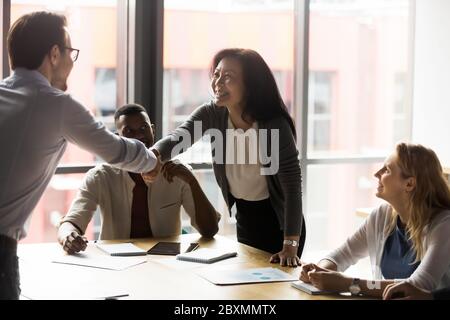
(140, 224)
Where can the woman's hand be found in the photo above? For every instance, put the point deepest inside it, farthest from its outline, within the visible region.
(286, 257)
(405, 291)
(329, 280)
(308, 267)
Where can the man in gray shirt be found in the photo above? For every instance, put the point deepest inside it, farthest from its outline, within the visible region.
(37, 119)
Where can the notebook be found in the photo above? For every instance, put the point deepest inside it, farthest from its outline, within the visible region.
(206, 255)
(121, 249)
(309, 288)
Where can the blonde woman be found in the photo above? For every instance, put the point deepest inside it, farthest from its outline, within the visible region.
(407, 238)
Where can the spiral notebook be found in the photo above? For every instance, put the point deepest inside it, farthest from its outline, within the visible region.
(206, 255)
(308, 288)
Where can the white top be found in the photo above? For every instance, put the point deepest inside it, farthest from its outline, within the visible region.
(433, 271)
(112, 190)
(244, 172)
(36, 122)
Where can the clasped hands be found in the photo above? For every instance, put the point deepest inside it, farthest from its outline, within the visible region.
(150, 176)
(324, 279)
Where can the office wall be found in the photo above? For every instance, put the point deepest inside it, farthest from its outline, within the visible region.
(431, 104)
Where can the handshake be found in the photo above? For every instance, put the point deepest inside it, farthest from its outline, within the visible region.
(150, 176)
(169, 169)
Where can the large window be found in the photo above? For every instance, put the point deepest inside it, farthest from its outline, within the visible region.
(359, 62)
(319, 107)
(335, 191)
(93, 29)
(195, 30)
(359, 106)
(358, 75)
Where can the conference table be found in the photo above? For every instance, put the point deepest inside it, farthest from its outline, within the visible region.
(160, 277)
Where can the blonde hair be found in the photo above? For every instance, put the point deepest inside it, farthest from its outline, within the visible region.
(430, 195)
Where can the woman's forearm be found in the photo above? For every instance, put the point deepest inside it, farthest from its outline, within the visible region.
(327, 264)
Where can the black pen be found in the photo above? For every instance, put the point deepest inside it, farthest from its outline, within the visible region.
(117, 296)
(192, 247)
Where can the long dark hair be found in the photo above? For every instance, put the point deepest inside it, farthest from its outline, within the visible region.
(263, 99)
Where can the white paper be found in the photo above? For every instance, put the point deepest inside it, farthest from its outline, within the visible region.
(68, 282)
(100, 261)
(90, 294)
(255, 275)
(121, 249)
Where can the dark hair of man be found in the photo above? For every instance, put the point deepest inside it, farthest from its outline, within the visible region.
(262, 100)
(128, 109)
(32, 36)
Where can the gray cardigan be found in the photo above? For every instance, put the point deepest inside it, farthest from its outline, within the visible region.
(284, 186)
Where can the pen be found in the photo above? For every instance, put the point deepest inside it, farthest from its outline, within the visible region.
(192, 247)
(116, 296)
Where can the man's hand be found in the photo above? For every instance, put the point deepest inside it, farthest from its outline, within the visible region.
(286, 257)
(150, 176)
(175, 168)
(74, 242)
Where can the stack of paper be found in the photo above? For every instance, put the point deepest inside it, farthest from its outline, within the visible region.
(99, 261)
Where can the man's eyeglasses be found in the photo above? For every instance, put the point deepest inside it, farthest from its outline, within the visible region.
(73, 53)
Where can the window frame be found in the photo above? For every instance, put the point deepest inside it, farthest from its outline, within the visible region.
(142, 37)
(301, 99)
(141, 27)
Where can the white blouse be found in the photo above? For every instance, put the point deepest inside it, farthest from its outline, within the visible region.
(244, 172)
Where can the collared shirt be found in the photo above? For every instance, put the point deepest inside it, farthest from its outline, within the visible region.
(111, 189)
(244, 173)
(36, 122)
